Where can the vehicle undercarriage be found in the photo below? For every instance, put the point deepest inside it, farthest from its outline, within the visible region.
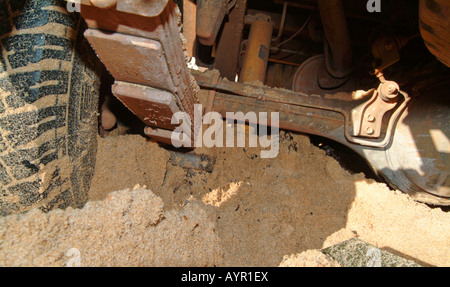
(374, 82)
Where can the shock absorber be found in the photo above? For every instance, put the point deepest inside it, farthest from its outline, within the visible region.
(258, 48)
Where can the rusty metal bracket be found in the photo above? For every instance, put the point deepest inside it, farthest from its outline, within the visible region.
(353, 111)
(368, 118)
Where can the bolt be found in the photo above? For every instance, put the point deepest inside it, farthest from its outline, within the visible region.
(392, 89)
(371, 118)
(389, 91)
(370, 131)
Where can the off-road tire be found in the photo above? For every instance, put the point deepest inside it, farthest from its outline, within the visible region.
(49, 86)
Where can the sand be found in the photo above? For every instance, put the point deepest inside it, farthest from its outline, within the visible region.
(309, 258)
(128, 228)
(247, 212)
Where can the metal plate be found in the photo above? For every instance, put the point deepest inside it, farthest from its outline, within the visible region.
(154, 107)
(132, 59)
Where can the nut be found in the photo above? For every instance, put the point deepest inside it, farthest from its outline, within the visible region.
(389, 90)
(392, 89)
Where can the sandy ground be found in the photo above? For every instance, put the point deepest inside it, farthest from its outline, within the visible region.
(247, 212)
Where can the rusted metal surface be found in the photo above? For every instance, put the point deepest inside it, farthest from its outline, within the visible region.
(294, 118)
(146, 40)
(167, 136)
(331, 72)
(227, 46)
(305, 79)
(154, 107)
(389, 91)
(339, 61)
(258, 49)
(148, 8)
(275, 76)
(210, 15)
(368, 118)
(104, 3)
(145, 62)
(189, 26)
(211, 94)
(255, 96)
(145, 55)
(434, 28)
(266, 94)
(280, 75)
